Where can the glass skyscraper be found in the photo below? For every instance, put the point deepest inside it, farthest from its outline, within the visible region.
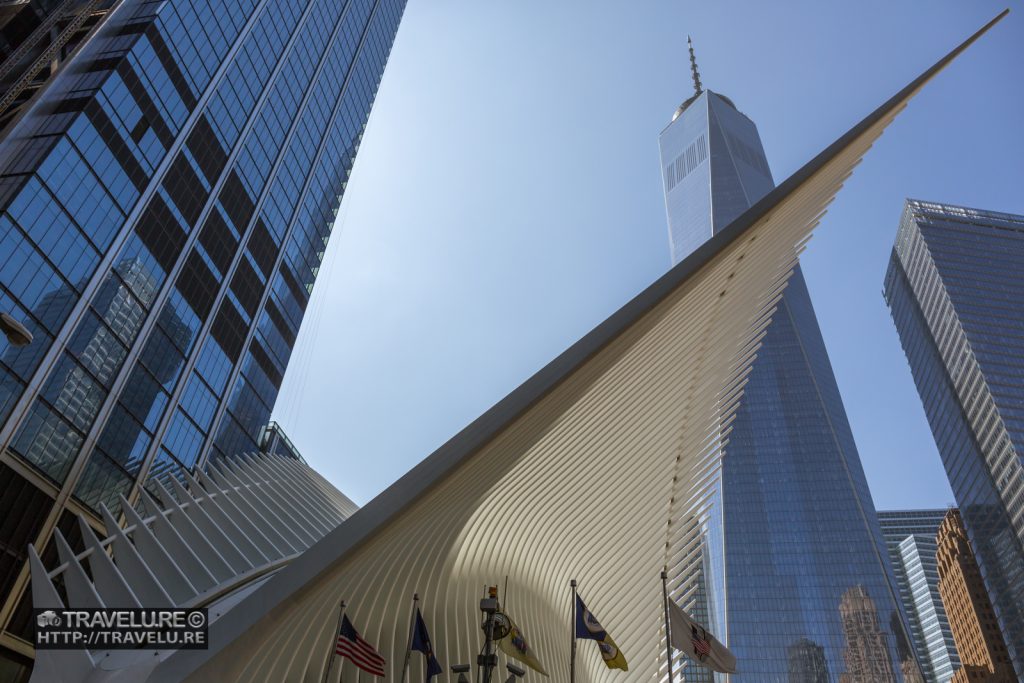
(954, 289)
(165, 202)
(796, 573)
(911, 538)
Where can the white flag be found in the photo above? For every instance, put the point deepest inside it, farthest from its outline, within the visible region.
(697, 643)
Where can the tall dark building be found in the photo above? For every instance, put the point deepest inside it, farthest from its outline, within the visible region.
(166, 196)
(792, 529)
(954, 289)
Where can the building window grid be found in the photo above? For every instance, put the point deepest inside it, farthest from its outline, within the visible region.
(228, 407)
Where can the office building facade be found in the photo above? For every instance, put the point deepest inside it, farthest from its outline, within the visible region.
(954, 290)
(910, 536)
(791, 528)
(972, 619)
(166, 201)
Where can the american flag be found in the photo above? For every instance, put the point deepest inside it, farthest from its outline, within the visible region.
(362, 654)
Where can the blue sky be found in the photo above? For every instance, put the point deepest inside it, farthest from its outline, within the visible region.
(507, 199)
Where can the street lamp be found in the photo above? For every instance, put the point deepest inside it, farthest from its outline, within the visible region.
(17, 334)
(496, 626)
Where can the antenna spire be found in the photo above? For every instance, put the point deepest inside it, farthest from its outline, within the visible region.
(698, 88)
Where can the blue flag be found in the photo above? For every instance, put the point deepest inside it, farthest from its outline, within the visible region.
(421, 643)
(587, 627)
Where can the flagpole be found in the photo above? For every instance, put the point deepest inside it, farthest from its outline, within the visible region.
(572, 660)
(412, 626)
(668, 633)
(334, 643)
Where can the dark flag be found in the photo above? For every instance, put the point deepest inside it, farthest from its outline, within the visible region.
(588, 628)
(361, 653)
(421, 643)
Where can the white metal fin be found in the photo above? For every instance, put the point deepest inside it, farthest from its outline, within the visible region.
(157, 557)
(133, 568)
(109, 582)
(179, 548)
(298, 536)
(209, 528)
(226, 524)
(247, 524)
(285, 510)
(258, 509)
(81, 592)
(194, 537)
(67, 666)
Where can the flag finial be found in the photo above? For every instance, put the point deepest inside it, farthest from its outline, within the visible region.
(697, 87)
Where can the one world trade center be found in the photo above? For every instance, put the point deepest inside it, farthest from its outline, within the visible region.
(794, 571)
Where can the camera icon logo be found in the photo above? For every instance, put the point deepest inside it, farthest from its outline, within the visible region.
(48, 618)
